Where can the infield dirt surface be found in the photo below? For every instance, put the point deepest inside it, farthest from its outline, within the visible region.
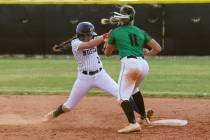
(99, 118)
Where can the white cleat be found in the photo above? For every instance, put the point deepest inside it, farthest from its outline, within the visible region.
(130, 128)
(49, 116)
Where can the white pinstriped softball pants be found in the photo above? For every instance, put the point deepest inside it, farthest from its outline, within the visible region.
(84, 83)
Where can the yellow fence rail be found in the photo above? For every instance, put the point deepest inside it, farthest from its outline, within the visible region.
(102, 1)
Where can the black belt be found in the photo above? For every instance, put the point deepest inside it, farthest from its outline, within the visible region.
(131, 57)
(91, 72)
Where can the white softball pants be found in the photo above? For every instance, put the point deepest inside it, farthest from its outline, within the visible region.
(84, 83)
(133, 72)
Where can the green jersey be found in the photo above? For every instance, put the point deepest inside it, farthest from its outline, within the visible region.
(129, 40)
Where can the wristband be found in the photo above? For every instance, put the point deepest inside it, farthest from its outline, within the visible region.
(105, 36)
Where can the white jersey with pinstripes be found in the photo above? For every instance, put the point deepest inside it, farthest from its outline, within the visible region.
(87, 59)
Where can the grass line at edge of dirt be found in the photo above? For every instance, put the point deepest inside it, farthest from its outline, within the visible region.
(101, 93)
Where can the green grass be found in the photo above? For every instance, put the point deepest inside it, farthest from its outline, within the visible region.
(168, 76)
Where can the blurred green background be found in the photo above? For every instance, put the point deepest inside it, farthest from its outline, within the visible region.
(168, 76)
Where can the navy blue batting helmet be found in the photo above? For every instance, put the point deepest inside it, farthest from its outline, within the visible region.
(85, 28)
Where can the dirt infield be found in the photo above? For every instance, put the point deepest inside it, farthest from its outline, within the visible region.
(98, 118)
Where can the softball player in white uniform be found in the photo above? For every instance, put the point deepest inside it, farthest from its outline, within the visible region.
(90, 68)
(90, 74)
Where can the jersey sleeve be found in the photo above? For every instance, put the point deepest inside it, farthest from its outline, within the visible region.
(75, 45)
(147, 37)
(111, 39)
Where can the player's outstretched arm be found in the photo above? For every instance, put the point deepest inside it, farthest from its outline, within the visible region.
(93, 42)
(155, 48)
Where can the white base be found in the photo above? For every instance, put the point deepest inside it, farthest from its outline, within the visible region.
(169, 122)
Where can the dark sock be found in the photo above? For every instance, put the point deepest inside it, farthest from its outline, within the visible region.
(138, 98)
(58, 111)
(128, 111)
(134, 106)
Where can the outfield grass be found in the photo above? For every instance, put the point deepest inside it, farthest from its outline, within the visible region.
(169, 76)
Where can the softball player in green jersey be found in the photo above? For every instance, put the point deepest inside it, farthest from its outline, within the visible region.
(130, 40)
